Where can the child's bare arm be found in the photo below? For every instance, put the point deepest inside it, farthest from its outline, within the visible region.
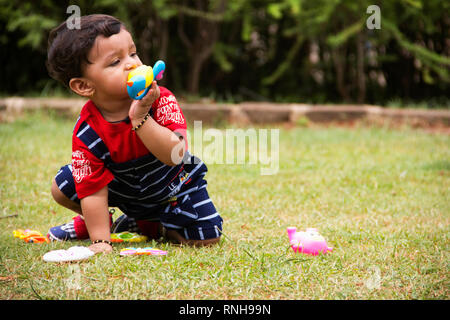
(96, 216)
(159, 140)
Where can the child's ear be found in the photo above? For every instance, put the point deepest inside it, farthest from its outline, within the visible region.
(82, 87)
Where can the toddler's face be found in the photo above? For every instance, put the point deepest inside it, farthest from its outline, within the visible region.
(111, 60)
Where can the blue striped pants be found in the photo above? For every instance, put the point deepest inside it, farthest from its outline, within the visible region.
(190, 212)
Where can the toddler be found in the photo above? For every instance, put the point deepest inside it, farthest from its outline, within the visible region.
(129, 154)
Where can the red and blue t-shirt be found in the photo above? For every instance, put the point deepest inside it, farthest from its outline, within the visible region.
(89, 172)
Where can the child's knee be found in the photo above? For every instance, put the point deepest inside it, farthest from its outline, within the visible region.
(57, 194)
(62, 199)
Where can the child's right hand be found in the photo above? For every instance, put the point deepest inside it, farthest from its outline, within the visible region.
(100, 247)
(140, 108)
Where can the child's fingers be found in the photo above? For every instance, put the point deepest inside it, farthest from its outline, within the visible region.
(139, 108)
(151, 95)
(156, 92)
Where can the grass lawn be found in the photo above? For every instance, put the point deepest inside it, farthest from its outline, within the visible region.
(380, 197)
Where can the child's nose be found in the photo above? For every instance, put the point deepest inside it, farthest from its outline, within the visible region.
(130, 66)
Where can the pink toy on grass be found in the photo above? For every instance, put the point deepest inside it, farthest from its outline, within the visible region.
(142, 252)
(309, 241)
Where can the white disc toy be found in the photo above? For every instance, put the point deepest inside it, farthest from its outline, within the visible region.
(76, 253)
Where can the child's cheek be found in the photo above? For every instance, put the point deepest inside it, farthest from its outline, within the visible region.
(114, 81)
(117, 84)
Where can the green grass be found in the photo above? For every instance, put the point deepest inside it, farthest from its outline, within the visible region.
(380, 197)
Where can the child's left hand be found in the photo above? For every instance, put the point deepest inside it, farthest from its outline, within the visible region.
(140, 108)
(100, 247)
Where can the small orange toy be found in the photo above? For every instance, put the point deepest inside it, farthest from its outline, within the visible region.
(30, 236)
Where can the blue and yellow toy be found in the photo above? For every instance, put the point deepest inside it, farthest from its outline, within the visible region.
(140, 79)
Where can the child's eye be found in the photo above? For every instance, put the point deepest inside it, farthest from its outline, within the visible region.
(115, 63)
(134, 54)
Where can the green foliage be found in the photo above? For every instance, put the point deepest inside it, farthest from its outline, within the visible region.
(289, 49)
(438, 63)
(26, 18)
(221, 51)
(343, 36)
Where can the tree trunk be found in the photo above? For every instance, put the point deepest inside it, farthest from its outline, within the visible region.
(164, 44)
(339, 66)
(194, 75)
(201, 48)
(360, 74)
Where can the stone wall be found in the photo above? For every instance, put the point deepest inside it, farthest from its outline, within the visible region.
(252, 113)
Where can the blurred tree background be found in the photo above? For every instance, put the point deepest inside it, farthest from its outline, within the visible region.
(239, 50)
